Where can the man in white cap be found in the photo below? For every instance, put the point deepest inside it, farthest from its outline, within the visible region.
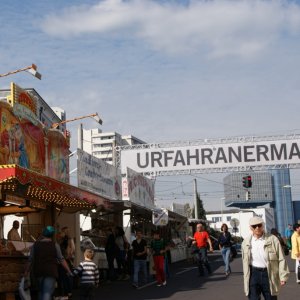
(264, 265)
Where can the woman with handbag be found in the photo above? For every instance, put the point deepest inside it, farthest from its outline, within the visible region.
(225, 247)
(122, 251)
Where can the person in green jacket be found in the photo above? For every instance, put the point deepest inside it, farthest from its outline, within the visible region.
(158, 248)
(264, 265)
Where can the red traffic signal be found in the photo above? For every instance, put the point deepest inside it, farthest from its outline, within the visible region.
(247, 181)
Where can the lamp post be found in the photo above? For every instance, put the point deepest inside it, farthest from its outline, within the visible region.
(222, 199)
(93, 116)
(285, 206)
(32, 69)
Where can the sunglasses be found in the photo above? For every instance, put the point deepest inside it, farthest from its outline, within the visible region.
(257, 225)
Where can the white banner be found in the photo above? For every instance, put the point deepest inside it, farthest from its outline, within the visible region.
(241, 154)
(138, 189)
(98, 176)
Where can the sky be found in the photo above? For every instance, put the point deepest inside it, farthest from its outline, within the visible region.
(166, 70)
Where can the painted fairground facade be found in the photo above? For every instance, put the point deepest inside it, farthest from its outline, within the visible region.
(26, 142)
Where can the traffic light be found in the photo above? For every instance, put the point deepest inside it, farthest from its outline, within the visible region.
(247, 181)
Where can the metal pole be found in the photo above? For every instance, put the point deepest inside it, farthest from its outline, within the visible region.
(195, 199)
(80, 137)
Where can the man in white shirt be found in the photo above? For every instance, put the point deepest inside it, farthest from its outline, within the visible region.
(264, 265)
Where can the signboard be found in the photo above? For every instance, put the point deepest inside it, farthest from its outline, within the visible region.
(260, 152)
(138, 189)
(98, 176)
(160, 217)
(26, 142)
(15, 200)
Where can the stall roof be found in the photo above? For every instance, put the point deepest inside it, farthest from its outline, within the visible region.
(16, 181)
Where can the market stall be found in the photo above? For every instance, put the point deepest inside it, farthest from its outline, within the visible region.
(40, 199)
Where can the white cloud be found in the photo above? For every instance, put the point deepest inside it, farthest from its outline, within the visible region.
(219, 27)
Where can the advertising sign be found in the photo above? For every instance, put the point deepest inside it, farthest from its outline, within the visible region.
(160, 217)
(98, 176)
(26, 142)
(138, 189)
(207, 157)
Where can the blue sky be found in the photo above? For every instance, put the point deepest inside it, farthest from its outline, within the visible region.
(161, 70)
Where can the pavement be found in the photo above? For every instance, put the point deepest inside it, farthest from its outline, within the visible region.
(184, 284)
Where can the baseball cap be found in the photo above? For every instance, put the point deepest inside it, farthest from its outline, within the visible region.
(48, 231)
(255, 220)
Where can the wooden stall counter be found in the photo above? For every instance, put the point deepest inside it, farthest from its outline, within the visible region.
(12, 266)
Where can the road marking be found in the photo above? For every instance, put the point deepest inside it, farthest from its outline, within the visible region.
(186, 270)
(146, 285)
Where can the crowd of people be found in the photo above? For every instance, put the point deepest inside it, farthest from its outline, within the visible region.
(265, 270)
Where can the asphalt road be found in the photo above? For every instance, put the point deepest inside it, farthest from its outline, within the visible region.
(184, 283)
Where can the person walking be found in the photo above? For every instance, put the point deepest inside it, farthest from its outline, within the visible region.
(284, 246)
(45, 255)
(200, 239)
(139, 247)
(67, 248)
(295, 239)
(111, 250)
(158, 249)
(264, 265)
(288, 234)
(225, 247)
(89, 275)
(122, 250)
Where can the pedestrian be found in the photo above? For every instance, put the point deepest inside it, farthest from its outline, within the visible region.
(158, 249)
(111, 251)
(89, 275)
(225, 247)
(122, 250)
(67, 247)
(139, 248)
(288, 234)
(295, 239)
(264, 265)
(45, 255)
(285, 248)
(200, 239)
(13, 234)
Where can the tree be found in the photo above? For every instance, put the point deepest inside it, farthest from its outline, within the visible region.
(201, 210)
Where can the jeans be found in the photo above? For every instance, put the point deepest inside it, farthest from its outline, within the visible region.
(226, 256)
(121, 262)
(202, 259)
(111, 267)
(139, 265)
(259, 284)
(46, 287)
(65, 282)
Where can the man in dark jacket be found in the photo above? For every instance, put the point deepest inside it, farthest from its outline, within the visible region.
(45, 255)
(110, 250)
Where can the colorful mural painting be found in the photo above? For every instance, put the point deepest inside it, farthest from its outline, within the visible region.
(25, 141)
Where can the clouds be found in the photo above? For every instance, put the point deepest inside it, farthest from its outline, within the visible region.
(216, 28)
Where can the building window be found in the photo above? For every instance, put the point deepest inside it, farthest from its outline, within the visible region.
(228, 218)
(106, 145)
(107, 137)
